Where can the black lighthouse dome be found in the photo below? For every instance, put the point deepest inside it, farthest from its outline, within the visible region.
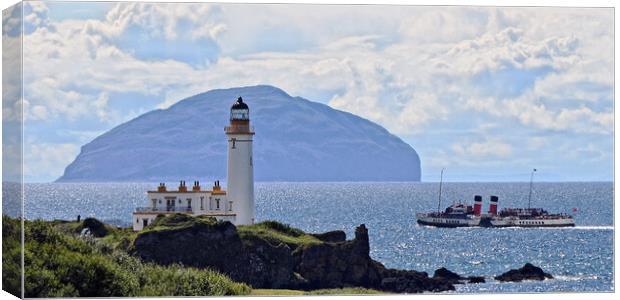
(239, 110)
(239, 104)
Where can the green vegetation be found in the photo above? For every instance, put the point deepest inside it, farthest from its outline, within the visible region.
(11, 256)
(342, 291)
(180, 221)
(60, 262)
(276, 233)
(276, 292)
(63, 262)
(345, 291)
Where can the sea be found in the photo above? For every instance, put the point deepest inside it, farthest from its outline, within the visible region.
(580, 258)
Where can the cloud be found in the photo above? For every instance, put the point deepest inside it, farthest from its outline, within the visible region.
(535, 143)
(414, 70)
(530, 110)
(45, 160)
(486, 149)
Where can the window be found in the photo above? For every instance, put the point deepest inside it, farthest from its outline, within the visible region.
(229, 205)
(217, 204)
(202, 205)
(189, 203)
(154, 203)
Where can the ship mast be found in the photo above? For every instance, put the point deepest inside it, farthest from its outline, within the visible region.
(440, 182)
(529, 197)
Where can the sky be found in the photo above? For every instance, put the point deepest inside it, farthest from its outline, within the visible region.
(488, 93)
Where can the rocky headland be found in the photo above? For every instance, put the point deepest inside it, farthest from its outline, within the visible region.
(180, 255)
(270, 255)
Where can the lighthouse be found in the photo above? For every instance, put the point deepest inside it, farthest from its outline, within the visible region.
(240, 184)
(235, 205)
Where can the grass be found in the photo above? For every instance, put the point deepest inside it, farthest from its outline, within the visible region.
(60, 263)
(275, 292)
(179, 221)
(341, 291)
(276, 233)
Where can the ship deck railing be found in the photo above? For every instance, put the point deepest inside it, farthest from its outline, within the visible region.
(442, 215)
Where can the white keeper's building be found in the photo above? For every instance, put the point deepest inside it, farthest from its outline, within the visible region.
(235, 204)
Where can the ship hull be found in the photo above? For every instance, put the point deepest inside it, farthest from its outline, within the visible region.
(532, 223)
(448, 222)
(492, 222)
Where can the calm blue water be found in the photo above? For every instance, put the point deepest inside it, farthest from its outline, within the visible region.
(580, 258)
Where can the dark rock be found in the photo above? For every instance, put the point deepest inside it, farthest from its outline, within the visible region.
(335, 236)
(448, 275)
(527, 272)
(218, 246)
(410, 281)
(262, 264)
(96, 227)
(476, 279)
(335, 265)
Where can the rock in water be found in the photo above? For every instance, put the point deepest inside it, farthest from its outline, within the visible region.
(527, 272)
(296, 140)
(476, 279)
(448, 275)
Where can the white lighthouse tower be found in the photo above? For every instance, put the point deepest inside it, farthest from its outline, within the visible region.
(240, 183)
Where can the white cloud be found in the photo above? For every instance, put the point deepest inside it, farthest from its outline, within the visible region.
(410, 69)
(535, 143)
(159, 19)
(420, 76)
(532, 111)
(485, 149)
(46, 160)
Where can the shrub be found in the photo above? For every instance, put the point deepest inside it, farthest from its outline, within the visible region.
(64, 265)
(11, 255)
(96, 227)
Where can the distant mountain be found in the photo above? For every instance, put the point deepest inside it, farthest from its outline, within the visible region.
(296, 140)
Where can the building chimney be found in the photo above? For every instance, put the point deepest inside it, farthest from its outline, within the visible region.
(477, 205)
(182, 187)
(161, 187)
(493, 205)
(196, 187)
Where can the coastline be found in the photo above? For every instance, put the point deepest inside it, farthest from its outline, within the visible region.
(317, 264)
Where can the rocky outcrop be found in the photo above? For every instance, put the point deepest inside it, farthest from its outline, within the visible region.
(331, 236)
(527, 272)
(333, 265)
(217, 245)
(447, 275)
(332, 262)
(273, 255)
(410, 281)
